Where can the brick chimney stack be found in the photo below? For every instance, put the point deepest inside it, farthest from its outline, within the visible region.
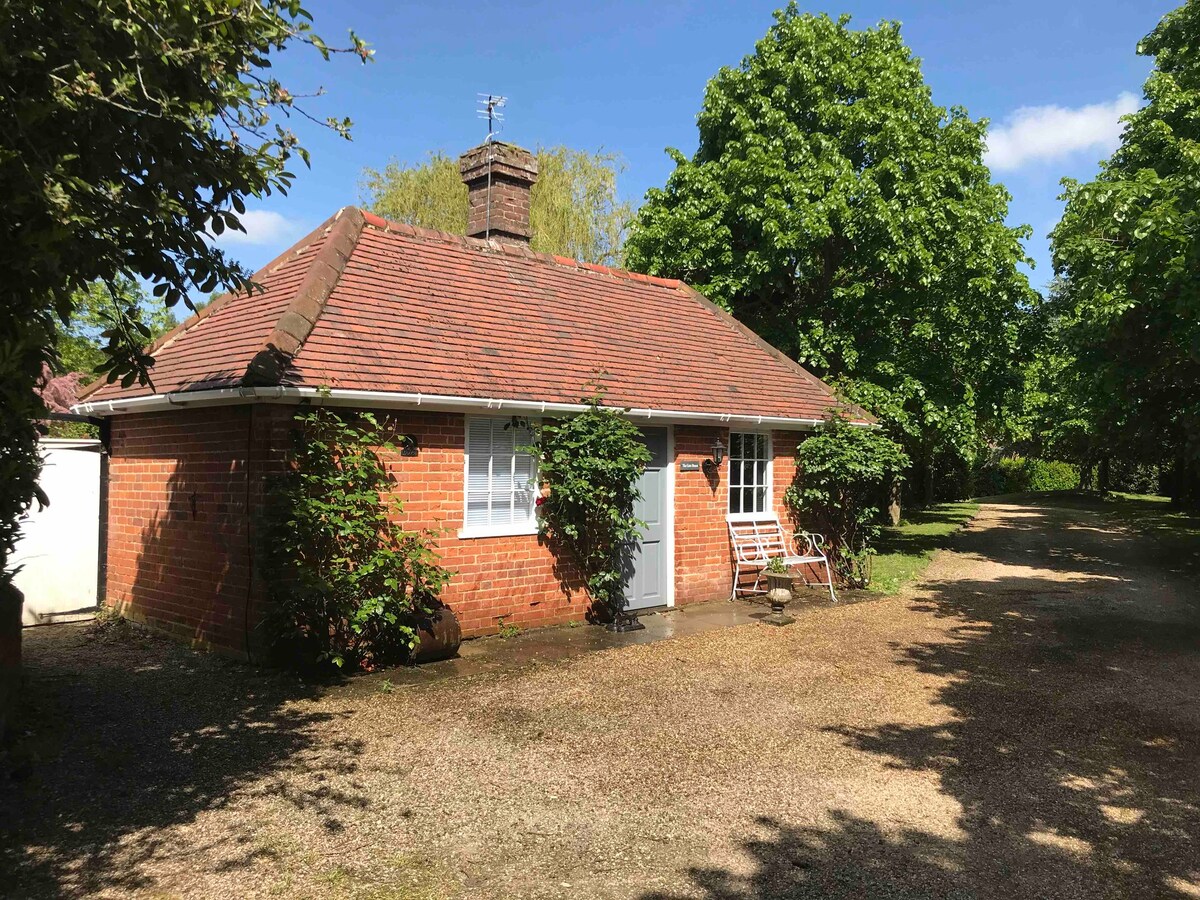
(513, 172)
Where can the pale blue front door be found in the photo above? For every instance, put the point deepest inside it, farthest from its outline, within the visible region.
(649, 564)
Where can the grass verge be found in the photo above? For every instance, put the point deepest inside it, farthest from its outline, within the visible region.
(1148, 512)
(1175, 530)
(905, 550)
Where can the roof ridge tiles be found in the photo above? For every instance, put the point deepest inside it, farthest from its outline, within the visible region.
(165, 340)
(508, 249)
(368, 302)
(268, 365)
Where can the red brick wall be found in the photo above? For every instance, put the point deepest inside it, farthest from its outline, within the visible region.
(178, 555)
(514, 578)
(182, 483)
(186, 487)
(703, 565)
(783, 471)
(703, 557)
(783, 468)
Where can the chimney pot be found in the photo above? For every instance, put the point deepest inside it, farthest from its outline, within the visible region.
(501, 213)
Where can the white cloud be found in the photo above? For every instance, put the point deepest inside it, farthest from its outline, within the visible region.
(262, 227)
(1046, 133)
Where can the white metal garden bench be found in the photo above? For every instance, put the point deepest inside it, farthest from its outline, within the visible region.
(756, 543)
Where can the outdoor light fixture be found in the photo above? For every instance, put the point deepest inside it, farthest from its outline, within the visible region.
(711, 466)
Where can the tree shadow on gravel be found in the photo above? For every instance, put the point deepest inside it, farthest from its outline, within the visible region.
(123, 735)
(1072, 743)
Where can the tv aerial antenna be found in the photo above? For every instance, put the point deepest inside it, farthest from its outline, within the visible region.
(489, 108)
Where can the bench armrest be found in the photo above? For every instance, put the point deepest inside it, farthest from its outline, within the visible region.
(808, 543)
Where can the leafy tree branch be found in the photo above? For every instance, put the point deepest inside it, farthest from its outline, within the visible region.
(1127, 253)
(130, 132)
(575, 210)
(842, 473)
(852, 222)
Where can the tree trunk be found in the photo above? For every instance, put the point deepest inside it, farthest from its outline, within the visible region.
(1185, 482)
(1103, 477)
(11, 601)
(1087, 475)
(893, 510)
(927, 492)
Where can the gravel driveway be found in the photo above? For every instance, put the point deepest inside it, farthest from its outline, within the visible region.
(1026, 724)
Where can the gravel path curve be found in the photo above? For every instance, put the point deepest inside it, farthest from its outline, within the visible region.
(1025, 723)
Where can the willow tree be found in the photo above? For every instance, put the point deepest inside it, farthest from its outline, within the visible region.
(1128, 254)
(574, 207)
(129, 132)
(837, 210)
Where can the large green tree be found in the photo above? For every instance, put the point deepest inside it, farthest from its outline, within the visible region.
(96, 310)
(852, 222)
(574, 208)
(129, 132)
(1128, 253)
(1054, 416)
(81, 343)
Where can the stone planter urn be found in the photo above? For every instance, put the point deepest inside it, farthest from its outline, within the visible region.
(438, 637)
(779, 595)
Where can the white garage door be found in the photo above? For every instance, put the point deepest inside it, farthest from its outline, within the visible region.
(57, 550)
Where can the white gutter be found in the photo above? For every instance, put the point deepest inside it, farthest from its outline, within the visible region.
(396, 400)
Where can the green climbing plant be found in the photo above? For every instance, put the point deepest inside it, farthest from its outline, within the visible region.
(841, 475)
(592, 462)
(348, 587)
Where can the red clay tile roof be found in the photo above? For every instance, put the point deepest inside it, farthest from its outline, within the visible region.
(367, 304)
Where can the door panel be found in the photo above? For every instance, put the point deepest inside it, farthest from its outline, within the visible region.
(648, 568)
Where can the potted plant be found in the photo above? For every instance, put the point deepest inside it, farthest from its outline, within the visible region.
(779, 590)
(778, 575)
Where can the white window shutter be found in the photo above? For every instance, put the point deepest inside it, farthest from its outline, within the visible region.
(500, 485)
(524, 479)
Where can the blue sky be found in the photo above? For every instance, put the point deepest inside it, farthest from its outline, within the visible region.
(1052, 76)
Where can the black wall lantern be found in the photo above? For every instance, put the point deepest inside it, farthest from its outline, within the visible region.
(408, 445)
(711, 466)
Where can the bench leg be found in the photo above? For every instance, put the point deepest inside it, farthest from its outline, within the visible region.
(737, 580)
(829, 580)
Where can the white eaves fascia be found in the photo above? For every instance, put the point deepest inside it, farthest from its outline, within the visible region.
(397, 400)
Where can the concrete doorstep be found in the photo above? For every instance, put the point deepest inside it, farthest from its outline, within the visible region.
(497, 653)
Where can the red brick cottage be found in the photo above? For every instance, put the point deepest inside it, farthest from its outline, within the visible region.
(451, 338)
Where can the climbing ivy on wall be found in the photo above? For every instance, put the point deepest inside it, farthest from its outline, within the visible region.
(591, 464)
(348, 587)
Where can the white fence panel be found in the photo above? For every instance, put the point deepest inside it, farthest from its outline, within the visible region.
(58, 547)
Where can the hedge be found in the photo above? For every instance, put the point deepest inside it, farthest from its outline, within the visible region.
(1135, 477)
(1019, 474)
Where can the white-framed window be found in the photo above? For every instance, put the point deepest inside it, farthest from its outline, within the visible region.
(501, 488)
(749, 474)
